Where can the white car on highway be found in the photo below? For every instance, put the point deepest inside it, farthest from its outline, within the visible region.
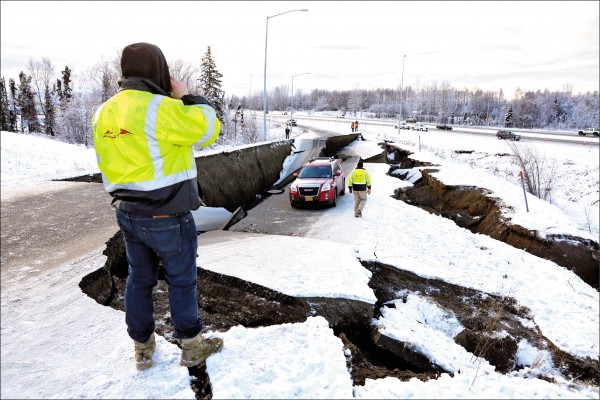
(419, 127)
(403, 125)
(588, 131)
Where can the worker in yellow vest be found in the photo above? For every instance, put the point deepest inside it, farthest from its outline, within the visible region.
(143, 137)
(359, 183)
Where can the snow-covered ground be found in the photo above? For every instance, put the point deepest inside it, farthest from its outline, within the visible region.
(58, 343)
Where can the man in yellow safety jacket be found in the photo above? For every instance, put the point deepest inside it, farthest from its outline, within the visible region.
(143, 137)
(359, 183)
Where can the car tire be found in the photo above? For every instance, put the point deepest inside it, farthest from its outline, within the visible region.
(294, 205)
(335, 195)
(343, 191)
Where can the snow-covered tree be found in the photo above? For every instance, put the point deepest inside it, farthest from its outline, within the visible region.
(26, 103)
(49, 112)
(321, 104)
(210, 82)
(185, 73)
(4, 107)
(105, 75)
(106, 86)
(59, 92)
(67, 92)
(12, 88)
(42, 72)
(355, 101)
(508, 118)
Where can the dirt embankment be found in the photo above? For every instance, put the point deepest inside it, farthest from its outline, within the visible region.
(473, 209)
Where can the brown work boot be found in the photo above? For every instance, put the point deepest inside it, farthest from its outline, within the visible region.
(143, 353)
(198, 349)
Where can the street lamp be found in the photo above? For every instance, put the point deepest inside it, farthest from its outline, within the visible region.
(250, 105)
(293, 76)
(265, 77)
(401, 90)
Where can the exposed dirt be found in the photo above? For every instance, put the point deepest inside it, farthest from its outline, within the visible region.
(227, 301)
(473, 209)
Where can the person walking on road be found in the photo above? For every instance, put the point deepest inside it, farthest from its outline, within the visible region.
(352, 125)
(143, 137)
(355, 126)
(287, 131)
(359, 183)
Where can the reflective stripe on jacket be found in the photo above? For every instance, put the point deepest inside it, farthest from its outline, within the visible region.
(359, 180)
(143, 148)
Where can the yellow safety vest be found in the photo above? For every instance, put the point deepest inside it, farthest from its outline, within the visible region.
(143, 140)
(359, 179)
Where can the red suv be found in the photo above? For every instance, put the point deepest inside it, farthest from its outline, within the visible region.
(321, 180)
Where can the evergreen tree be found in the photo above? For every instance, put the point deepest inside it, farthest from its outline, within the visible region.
(12, 86)
(66, 86)
(49, 112)
(59, 92)
(210, 80)
(4, 111)
(26, 102)
(508, 118)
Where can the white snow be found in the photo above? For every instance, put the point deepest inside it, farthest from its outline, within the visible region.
(58, 343)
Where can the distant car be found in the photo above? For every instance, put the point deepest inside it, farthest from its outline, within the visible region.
(588, 131)
(284, 113)
(444, 127)
(292, 122)
(320, 181)
(411, 120)
(403, 125)
(508, 135)
(419, 127)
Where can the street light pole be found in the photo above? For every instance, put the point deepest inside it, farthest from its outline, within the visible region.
(265, 74)
(292, 111)
(250, 92)
(401, 91)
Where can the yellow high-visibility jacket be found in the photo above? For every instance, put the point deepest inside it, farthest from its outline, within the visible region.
(143, 145)
(359, 180)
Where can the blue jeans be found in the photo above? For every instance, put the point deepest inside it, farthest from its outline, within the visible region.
(174, 241)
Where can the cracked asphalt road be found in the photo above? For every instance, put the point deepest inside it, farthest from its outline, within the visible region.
(52, 223)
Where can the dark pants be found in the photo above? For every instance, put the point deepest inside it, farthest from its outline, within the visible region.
(174, 241)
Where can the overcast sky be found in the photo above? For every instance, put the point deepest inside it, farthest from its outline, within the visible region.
(342, 44)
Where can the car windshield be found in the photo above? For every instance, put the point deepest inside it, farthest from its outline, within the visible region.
(321, 171)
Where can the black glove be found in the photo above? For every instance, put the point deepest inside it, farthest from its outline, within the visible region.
(190, 99)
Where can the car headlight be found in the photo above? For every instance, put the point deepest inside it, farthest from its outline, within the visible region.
(326, 186)
(294, 187)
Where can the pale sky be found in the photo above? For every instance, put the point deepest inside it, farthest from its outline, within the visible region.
(342, 44)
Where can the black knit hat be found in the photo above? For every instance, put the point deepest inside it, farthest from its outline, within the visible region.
(360, 164)
(145, 60)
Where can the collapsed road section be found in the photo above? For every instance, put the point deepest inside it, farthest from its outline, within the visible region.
(475, 209)
(227, 301)
(492, 325)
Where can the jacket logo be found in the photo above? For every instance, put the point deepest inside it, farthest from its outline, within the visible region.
(112, 133)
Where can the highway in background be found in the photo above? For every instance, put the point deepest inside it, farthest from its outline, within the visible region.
(367, 123)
